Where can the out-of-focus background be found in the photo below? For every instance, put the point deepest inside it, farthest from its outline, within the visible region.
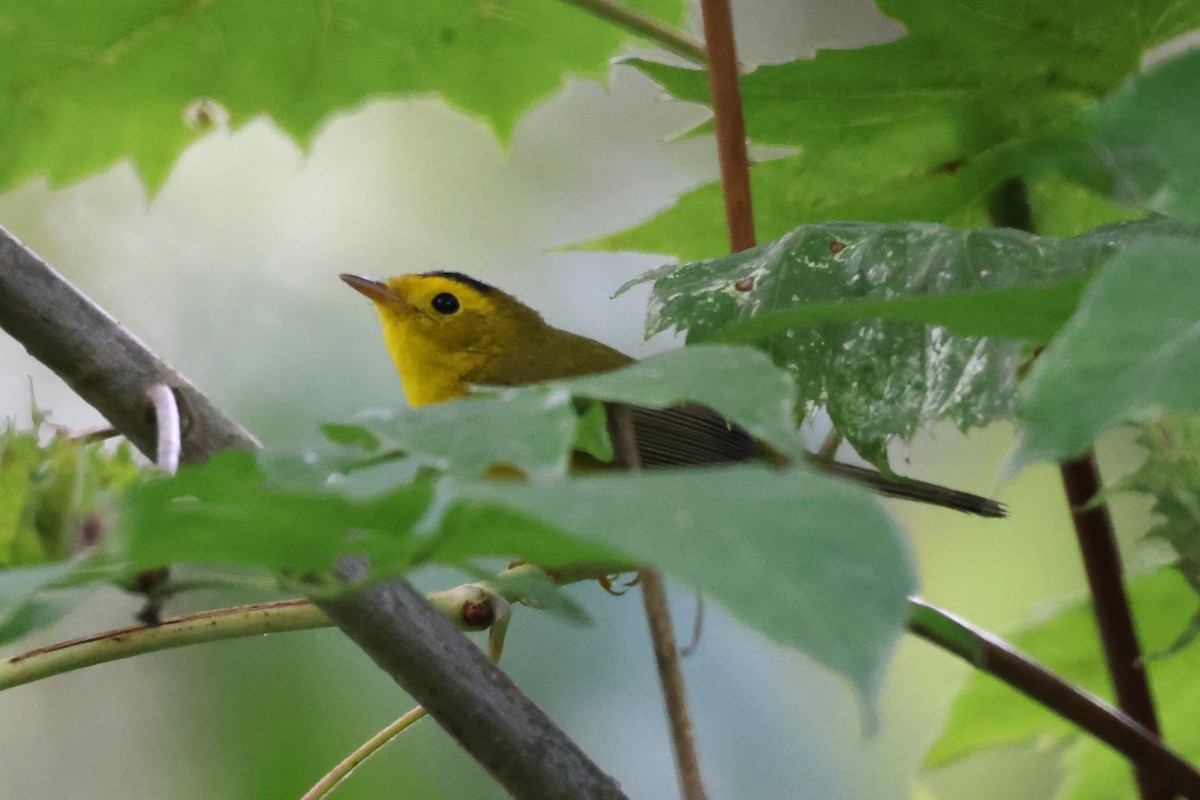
(230, 273)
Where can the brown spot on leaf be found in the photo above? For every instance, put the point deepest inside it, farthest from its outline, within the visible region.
(836, 247)
(744, 285)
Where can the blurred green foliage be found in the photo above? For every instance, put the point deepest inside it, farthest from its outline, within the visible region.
(142, 80)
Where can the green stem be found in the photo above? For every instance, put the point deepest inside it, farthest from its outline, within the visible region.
(646, 26)
(330, 779)
(207, 626)
(252, 620)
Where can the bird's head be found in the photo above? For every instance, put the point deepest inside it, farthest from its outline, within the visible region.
(440, 327)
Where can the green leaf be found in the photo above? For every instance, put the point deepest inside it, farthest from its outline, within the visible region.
(481, 524)
(530, 429)
(821, 185)
(591, 432)
(919, 128)
(1145, 139)
(990, 714)
(224, 512)
(809, 561)
(51, 487)
(805, 297)
(1063, 207)
(84, 85)
(16, 457)
(227, 512)
(41, 610)
(1131, 351)
(1170, 475)
(293, 515)
(739, 382)
(22, 609)
(981, 72)
(54, 492)
(349, 435)
(1033, 313)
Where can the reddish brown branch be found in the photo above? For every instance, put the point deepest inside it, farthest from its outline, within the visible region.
(999, 659)
(1114, 617)
(731, 128)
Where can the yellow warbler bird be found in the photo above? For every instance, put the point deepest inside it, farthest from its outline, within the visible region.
(447, 331)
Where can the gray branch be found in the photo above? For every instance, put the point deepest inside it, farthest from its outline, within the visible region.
(515, 741)
(469, 696)
(105, 364)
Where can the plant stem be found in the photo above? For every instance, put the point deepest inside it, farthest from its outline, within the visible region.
(662, 632)
(731, 128)
(645, 26)
(247, 620)
(207, 626)
(999, 659)
(1114, 617)
(330, 779)
(670, 676)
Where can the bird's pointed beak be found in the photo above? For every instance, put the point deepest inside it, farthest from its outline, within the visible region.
(376, 291)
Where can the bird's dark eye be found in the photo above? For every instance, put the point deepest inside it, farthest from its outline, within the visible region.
(445, 303)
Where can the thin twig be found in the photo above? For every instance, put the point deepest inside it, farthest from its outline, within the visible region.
(1114, 615)
(670, 676)
(662, 633)
(95, 435)
(697, 628)
(731, 127)
(166, 426)
(644, 25)
(330, 779)
(830, 444)
(999, 659)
